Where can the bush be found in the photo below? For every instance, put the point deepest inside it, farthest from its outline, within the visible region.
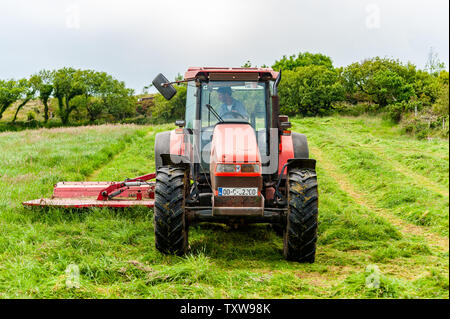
(416, 126)
(377, 80)
(309, 91)
(145, 105)
(303, 59)
(441, 106)
(394, 112)
(31, 116)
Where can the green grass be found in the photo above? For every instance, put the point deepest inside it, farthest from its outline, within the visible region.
(114, 249)
(409, 193)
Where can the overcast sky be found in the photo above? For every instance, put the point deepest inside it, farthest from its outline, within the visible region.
(134, 40)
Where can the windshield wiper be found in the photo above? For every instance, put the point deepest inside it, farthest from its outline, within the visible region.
(210, 108)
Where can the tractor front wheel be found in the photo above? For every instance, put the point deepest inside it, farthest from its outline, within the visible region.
(171, 230)
(300, 234)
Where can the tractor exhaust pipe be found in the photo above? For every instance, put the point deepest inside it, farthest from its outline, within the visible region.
(275, 102)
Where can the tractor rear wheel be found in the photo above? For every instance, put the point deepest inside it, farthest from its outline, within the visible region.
(300, 234)
(171, 230)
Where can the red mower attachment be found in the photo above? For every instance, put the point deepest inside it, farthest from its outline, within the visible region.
(131, 192)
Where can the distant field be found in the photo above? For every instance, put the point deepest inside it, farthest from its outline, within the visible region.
(383, 202)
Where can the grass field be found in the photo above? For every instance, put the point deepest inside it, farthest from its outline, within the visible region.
(383, 203)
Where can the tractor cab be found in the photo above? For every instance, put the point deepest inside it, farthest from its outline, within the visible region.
(217, 96)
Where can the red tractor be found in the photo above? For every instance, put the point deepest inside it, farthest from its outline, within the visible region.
(231, 160)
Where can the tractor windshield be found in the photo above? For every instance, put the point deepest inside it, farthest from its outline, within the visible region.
(234, 102)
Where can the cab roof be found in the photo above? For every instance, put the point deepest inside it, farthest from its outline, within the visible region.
(230, 73)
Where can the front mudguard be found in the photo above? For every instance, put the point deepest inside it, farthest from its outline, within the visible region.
(162, 146)
(172, 147)
(300, 145)
(301, 163)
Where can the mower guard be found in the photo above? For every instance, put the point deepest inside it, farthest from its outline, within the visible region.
(131, 192)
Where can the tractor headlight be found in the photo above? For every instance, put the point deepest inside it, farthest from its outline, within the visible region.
(225, 168)
(237, 168)
(250, 168)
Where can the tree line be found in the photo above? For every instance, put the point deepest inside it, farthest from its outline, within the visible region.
(91, 94)
(311, 86)
(418, 98)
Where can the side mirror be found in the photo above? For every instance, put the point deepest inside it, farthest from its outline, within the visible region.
(180, 123)
(163, 86)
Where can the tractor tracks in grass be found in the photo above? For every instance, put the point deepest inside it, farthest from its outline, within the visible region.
(94, 175)
(136, 137)
(417, 179)
(435, 240)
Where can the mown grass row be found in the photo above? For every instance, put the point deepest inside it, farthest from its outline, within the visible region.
(115, 252)
(377, 177)
(32, 161)
(427, 158)
(137, 159)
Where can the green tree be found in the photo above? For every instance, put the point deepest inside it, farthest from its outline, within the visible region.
(441, 106)
(309, 90)
(94, 107)
(303, 59)
(42, 82)
(91, 83)
(426, 87)
(28, 93)
(389, 87)
(10, 92)
(377, 80)
(67, 83)
(118, 100)
(100, 94)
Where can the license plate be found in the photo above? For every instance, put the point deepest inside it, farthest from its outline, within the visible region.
(238, 191)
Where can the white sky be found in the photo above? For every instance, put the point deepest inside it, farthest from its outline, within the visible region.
(134, 40)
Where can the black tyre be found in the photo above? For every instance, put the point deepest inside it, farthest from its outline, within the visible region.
(171, 230)
(300, 235)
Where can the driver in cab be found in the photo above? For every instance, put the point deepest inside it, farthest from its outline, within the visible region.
(230, 108)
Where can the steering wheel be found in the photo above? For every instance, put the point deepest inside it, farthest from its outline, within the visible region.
(234, 115)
